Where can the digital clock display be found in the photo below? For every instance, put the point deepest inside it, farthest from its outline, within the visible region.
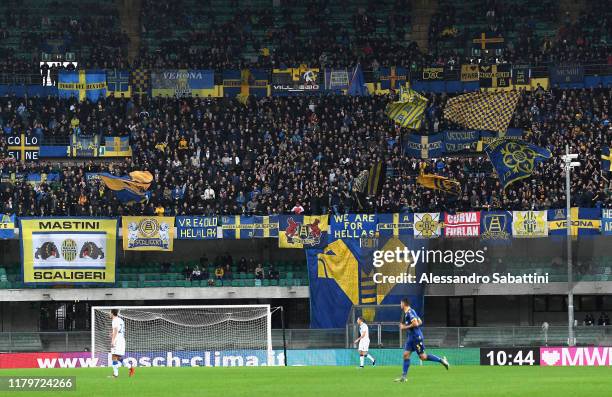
(510, 356)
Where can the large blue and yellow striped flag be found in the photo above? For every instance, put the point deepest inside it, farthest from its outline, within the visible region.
(132, 188)
(82, 84)
(408, 111)
(482, 110)
(244, 227)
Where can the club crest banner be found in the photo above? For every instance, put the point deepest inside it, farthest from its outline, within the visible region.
(529, 224)
(495, 225)
(427, 225)
(302, 231)
(68, 250)
(148, 233)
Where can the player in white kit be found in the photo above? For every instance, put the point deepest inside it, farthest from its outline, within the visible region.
(364, 343)
(118, 344)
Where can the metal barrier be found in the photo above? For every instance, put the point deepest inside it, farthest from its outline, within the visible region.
(382, 335)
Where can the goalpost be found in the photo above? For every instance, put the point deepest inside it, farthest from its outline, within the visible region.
(199, 335)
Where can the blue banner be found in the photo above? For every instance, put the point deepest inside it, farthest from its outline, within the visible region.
(54, 151)
(606, 222)
(495, 225)
(7, 226)
(424, 146)
(182, 83)
(461, 141)
(37, 178)
(336, 80)
(347, 272)
(296, 81)
(352, 226)
(82, 84)
(566, 74)
(231, 83)
(241, 227)
(197, 227)
(397, 224)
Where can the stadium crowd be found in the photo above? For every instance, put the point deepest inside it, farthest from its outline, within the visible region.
(292, 154)
(188, 34)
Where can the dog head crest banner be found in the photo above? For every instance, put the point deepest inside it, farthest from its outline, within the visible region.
(68, 250)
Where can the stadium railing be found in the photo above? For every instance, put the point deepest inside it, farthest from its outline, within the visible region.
(382, 336)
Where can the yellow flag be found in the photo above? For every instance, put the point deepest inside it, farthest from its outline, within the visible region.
(437, 182)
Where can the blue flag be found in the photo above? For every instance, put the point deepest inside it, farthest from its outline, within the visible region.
(392, 78)
(132, 188)
(606, 159)
(357, 85)
(82, 84)
(424, 146)
(515, 159)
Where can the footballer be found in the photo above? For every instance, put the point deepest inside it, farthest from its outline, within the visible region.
(118, 344)
(364, 343)
(414, 339)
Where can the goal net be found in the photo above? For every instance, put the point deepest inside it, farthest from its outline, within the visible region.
(188, 335)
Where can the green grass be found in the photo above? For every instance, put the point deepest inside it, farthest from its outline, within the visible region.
(465, 381)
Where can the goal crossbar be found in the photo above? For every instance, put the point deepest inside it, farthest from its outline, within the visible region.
(184, 328)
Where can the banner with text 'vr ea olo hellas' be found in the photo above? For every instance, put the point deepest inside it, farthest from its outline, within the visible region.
(68, 250)
(148, 233)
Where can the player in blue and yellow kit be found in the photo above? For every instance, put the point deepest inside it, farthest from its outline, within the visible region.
(414, 339)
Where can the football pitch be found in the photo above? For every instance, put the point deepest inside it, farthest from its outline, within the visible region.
(464, 381)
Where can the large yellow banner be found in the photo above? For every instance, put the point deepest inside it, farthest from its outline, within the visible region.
(68, 250)
(148, 233)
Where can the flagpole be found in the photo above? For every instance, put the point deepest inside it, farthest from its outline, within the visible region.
(568, 164)
(568, 218)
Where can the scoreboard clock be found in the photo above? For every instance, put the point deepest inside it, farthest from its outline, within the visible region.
(510, 356)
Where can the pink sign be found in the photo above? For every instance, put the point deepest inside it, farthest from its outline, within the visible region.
(47, 360)
(575, 356)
